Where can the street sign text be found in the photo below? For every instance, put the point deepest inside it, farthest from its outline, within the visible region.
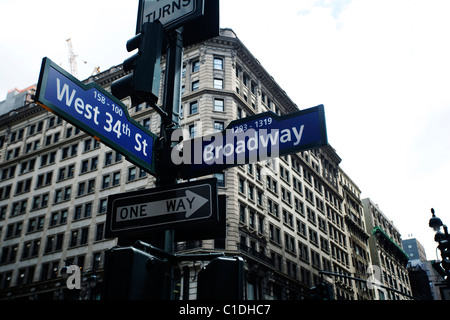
(95, 111)
(171, 13)
(177, 206)
(255, 138)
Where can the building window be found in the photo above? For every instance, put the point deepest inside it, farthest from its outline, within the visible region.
(242, 213)
(272, 207)
(193, 107)
(245, 79)
(289, 243)
(74, 239)
(108, 158)
(84, 166)
(87, 210)
(239, 113)
(313, 236)
(103, 205)
(241, 186)
(106, 181)
(218, 83)
(196, 66)
(192, 131)
(100, 232)
(220, 179)
(315, 259)
(84, 235)
(94, 163)
(218, 126)
(67, 193)
(219, 105)
(58, 196)
(218, 64)
(146, 123)
(82, 211)
(195, 85)
(96, 261)
(58, 218)
(116, 178)
(274, 233)
(131, 173)
(253, 87)
(303, 251)
(259, 197)
(250, 190)
(251, 219)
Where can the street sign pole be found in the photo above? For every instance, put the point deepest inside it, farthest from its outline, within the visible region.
(171, 105)
(171, 102)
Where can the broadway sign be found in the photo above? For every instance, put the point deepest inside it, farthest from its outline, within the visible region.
(259, 137)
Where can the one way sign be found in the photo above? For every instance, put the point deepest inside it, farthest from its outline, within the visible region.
(188, 204)
(174, 207)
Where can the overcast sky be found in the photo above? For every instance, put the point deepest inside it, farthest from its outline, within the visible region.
(380, 67)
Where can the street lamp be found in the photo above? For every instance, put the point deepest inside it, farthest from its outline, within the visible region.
(435, 223)
(444, 242)
(88, 281)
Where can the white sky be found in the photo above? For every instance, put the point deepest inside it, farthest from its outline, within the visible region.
(380, 67)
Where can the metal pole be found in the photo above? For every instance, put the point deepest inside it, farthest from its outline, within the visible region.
(169, 123)
(329, 273)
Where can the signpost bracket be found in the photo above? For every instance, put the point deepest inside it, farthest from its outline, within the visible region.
(158, 109)
(175, 258)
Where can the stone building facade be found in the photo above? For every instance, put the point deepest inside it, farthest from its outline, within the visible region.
(288, 217)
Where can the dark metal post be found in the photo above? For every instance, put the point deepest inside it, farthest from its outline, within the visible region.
(172, 81)
(169, 123)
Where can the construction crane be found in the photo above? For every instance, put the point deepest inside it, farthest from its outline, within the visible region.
(95, 71)
(73, 61)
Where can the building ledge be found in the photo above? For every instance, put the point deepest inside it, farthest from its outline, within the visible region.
(390, 244)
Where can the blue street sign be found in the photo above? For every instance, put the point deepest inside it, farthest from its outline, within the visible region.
(259, 137)
(96, 112)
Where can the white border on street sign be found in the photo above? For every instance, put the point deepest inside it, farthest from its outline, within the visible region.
(171, 13)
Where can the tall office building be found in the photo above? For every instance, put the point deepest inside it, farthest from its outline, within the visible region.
(358, 236)
(414, 249)
(288, 217)
(426, 280)
(388, 257)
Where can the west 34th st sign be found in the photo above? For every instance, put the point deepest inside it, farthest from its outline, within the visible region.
(97, 112)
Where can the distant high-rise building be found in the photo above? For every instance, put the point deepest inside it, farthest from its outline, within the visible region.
(425, 279)
(414, 249)
(388, 258)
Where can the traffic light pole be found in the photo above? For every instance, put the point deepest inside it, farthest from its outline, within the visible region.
(336, 274)
(169, 123)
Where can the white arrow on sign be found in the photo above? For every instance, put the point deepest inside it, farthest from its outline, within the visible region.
(189, 204)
